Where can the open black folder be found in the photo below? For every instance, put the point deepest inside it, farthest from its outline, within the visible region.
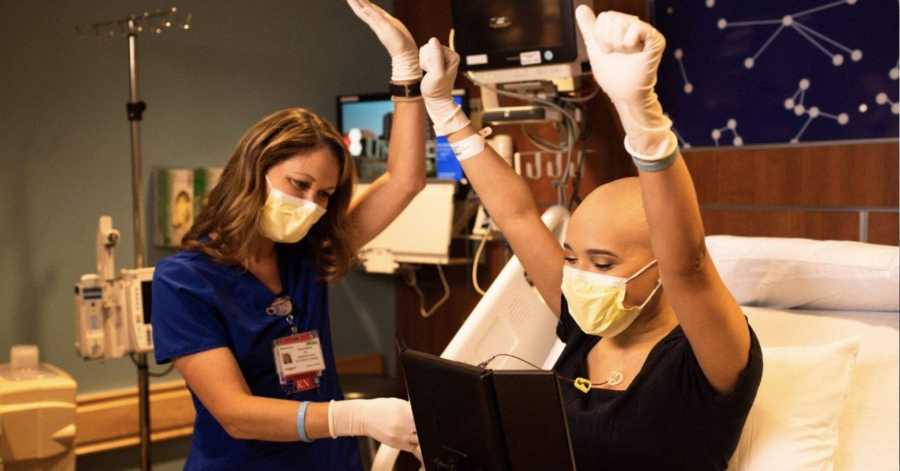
(473, 419)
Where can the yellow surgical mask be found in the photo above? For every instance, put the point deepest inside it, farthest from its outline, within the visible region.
(596, 301)
(286, 218)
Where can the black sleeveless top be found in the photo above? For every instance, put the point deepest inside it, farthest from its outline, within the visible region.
(669, 417)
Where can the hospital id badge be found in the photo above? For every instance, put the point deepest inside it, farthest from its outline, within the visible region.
(299, 361)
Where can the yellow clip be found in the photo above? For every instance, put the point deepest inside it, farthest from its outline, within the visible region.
(583, 385)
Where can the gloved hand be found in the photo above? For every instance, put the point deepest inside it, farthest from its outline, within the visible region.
(440, 65)
(387, 420)
(394, 36)
(625, 54)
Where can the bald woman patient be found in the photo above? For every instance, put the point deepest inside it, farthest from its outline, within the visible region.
(670, 366)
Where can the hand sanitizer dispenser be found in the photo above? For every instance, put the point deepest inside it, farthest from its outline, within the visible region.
(37, 414)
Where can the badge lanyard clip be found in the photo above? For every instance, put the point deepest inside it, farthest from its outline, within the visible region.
(283, 307)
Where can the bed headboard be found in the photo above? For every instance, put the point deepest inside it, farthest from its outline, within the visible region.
(828, 192)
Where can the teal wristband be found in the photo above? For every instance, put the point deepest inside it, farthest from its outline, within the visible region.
(301, 422)
(655, 165)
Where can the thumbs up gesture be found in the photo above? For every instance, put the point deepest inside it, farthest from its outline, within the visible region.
(625, 54)
(440, 65)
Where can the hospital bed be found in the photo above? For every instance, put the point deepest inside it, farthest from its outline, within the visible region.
(862, 431)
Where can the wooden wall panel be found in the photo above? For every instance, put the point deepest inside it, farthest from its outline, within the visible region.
(884, 228)
(434, 333)
(859, 175)
(763, 223)
(108, 420)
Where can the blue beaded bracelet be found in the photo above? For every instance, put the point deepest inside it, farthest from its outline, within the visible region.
(301, 422)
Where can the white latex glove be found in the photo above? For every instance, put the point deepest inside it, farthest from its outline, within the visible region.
(625, 54)
(387, 420)
(440, 65)
(394, 36)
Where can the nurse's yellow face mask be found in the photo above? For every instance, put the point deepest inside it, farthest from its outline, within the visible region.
(286, 218)
(596, 301)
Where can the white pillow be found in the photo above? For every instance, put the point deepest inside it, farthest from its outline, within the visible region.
(808, 274)
(869, 430)
(793, 424)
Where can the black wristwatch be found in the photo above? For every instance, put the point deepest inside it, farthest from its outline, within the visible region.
(406, 90)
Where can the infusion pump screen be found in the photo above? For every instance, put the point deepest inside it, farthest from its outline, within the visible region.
(146, 296)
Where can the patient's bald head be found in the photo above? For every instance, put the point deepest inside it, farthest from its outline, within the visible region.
(613, 215)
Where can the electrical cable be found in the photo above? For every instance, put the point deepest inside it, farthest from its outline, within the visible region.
(155, 374)
(541, 143)
(576, 183)
(413, 282)
(582, 98)
(476, 260)
(160, 374)
(573, 123)
(563, 181)
(573, 129)
(582, 384)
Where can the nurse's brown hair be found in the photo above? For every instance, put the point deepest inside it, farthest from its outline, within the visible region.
(228, 225)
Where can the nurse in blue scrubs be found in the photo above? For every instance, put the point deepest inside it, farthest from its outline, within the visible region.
(242, 310)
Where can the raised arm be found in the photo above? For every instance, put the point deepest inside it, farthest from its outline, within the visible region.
(625, 54)
(505, 195)
(372, 211)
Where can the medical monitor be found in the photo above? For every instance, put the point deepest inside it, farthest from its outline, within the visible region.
(365, 122)
(503, 34)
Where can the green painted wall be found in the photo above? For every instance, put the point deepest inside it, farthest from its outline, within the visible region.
(64, 147)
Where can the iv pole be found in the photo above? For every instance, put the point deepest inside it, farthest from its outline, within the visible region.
(135, 109)
(133, 25)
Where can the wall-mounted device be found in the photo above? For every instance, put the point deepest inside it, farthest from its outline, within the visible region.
(112, 311)
(529, 50)
(136, 295)
(503, 41)
(520, 115)
(90, 337)
(37, 414)
(421, 234)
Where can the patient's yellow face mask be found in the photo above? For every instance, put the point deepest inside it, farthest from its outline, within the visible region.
(596, 301)
(286, 218)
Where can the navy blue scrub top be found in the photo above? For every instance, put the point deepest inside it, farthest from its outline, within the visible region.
(199, 304)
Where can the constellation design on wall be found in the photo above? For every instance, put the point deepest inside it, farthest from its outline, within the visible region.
(797, 104)
(792, 21)
(679, 58)
(883, 99)
(730, 126)
(681, 141)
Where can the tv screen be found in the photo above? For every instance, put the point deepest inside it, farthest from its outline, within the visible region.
(365, 122)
